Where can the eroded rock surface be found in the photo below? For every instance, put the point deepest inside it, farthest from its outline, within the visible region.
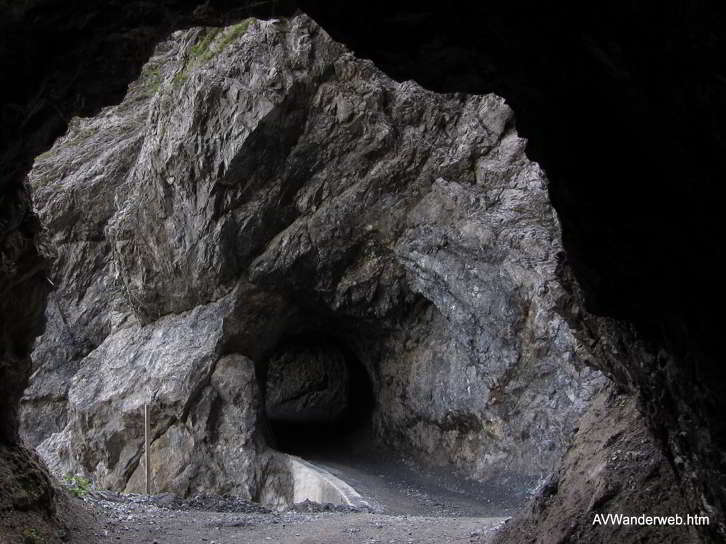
(259, 183)
(614, 466)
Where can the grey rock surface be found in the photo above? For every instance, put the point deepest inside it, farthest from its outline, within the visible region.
(259, 183)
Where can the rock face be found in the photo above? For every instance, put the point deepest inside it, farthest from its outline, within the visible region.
(259, 184)
(614, 466)
(637, 206)
(93, 71)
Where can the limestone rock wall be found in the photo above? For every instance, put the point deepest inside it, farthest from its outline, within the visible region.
(258, 183)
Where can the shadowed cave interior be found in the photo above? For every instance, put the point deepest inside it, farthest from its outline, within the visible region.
(318, 396)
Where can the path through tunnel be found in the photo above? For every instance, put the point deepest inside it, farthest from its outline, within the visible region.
(319, 398)
(320, 405)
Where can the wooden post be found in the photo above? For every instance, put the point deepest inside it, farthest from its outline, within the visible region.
(146, 447)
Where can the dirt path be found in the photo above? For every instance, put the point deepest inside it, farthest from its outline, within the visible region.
(124, 523)
(411, 506)
(393, 486)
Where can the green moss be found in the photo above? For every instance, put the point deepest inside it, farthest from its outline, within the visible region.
(32, 536)
(232, 33)
(201, 51)
(180, 77)
(209, 47)
(44, 155)
(151, 79)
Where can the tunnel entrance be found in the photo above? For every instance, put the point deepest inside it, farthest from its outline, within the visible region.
(319, 397)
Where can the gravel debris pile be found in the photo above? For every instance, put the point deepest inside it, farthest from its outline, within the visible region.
(310, 507)
(169, 501)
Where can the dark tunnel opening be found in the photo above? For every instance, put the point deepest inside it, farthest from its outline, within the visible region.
(319, 398)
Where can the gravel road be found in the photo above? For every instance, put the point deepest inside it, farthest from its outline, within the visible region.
(409, 505)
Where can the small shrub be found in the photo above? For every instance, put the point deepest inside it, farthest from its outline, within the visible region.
(77, 485)
(32, 536)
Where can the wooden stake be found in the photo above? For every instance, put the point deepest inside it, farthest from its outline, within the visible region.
(146, 447)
